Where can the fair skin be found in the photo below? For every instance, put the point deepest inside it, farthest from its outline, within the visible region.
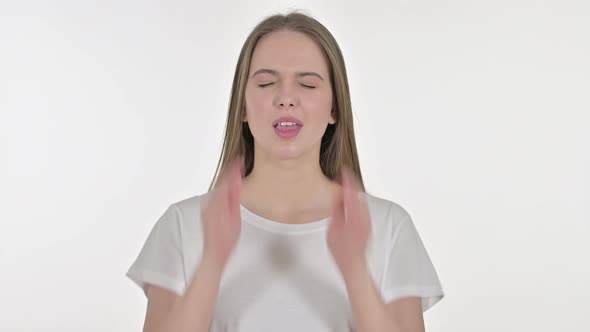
(277, 87)
(287, 185)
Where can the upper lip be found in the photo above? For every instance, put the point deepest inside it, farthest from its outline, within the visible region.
(287, 119)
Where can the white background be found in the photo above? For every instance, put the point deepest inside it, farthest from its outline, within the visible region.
(473, 115)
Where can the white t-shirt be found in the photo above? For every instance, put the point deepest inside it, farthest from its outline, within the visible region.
(282, 277)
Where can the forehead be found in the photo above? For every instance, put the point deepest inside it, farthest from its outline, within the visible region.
(288, 51)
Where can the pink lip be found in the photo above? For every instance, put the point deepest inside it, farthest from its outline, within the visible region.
(287, 132)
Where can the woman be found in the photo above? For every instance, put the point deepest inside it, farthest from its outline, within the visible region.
(286, 238)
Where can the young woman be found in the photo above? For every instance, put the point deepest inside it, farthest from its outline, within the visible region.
(287, 238)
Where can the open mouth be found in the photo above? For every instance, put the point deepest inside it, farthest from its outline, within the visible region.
(286, 124)
(287, 129)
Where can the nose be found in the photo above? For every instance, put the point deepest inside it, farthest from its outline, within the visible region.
(286, 97)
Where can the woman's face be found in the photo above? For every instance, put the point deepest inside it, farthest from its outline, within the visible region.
(288, 77)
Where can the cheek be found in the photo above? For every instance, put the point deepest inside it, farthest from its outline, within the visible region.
(320, 105)
(257, 98)
(258, 108)
(255, 101)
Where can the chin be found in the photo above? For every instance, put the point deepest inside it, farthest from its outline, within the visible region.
(285, 150)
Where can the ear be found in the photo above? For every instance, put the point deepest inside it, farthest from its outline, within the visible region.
(244, 116)
(332, 117)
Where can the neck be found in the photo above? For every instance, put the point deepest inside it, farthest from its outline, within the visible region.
(297, 183)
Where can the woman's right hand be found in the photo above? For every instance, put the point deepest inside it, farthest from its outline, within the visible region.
(221, 217)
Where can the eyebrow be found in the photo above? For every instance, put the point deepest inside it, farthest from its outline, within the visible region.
(298, 74)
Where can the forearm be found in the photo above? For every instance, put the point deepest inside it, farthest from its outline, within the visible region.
(193, 311)
(368, 309)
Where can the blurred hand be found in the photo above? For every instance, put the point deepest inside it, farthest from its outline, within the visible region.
(220, 215)
(349, 229)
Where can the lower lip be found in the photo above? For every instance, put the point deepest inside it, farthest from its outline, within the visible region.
(287, 132)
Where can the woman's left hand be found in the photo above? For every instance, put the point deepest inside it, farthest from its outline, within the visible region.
(349, 229)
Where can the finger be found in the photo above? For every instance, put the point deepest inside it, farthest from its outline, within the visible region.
(351, 179)
(338, 217)
(235, 183)
(243, 165)
(225, 174)
(352, 203)
(221, 195)
(359, 211)
(229, 189)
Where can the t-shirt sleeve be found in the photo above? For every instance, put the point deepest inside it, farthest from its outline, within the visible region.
(409, 270)
(160, 261)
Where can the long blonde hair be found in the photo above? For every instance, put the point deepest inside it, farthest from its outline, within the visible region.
(338, 147)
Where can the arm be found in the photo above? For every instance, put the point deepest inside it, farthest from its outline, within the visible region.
(347, 239)
(191, 312)
(221, 226)
(372, 314)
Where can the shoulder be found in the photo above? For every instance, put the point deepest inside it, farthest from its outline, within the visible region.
(189, 204)
(385, 207)
(386, 215)
(187, 214)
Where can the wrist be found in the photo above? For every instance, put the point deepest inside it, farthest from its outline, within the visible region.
(211, 266)
(355, 271)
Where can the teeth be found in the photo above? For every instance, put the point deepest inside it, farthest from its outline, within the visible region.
(286, 124)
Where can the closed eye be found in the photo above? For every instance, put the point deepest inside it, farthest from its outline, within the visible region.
(303, 85)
